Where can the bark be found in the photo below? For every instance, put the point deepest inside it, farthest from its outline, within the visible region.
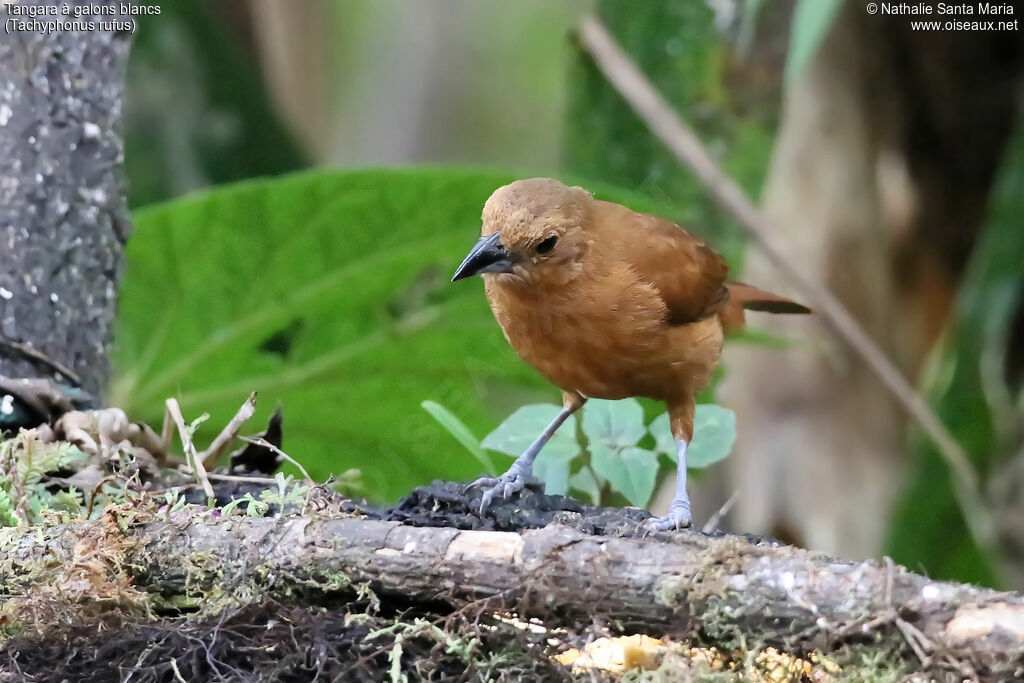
(730, 589)
(63, 217)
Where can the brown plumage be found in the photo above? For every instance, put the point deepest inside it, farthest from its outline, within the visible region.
(605, 302)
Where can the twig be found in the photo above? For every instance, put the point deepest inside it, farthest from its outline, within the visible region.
(919, 642)
(240, 478)
(889, 578)
(198, 471)
(40, 357)
(230, 431)
(666, 124)
(167, 430)
(266, 444)
(716, 519)
(177, 672)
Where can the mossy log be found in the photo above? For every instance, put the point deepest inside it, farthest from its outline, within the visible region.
(726, 589)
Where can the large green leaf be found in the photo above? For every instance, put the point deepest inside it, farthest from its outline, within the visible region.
(326, 292)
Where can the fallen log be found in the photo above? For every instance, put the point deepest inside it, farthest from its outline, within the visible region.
(723, 589)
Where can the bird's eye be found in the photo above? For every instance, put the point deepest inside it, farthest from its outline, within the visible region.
(547, 245)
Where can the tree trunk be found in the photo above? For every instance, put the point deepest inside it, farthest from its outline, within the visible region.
(63, 217)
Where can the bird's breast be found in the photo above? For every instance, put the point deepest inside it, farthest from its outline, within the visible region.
(609, 344)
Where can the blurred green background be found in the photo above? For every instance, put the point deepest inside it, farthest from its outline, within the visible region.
(327, 290)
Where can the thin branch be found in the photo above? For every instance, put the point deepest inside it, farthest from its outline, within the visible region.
(230, 431)
(167, 430)
(196, 465)
(177, 672)
(667, 125)
(40, 357)
(216, 476)
(712, 524)
(259, 441)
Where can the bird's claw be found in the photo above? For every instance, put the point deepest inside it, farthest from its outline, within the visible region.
(507, 484)
(677, 518)
(481, 481)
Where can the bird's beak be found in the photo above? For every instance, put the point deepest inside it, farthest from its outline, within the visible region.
(487, 256)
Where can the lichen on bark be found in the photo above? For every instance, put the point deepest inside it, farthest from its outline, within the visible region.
(63, 216)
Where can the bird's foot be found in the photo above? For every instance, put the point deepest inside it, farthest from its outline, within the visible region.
(511, 482)
(678, 517)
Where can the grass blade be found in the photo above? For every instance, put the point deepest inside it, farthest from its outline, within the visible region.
(460, 431)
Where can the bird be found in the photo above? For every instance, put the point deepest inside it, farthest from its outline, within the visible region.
(608, 303)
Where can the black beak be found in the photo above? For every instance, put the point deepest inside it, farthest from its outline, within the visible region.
(488, 256)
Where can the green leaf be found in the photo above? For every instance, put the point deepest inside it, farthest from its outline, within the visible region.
(613, 428)
(714, 431)
(516, 433)
(615, 424)
(661, 430)
(327, 292)
(585, 482)
(812, 20)
(461, 432)
(630, 470)
(554, 472)
(642, 468)
(8, 514)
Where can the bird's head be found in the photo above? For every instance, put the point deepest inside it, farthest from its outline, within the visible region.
(534, 231)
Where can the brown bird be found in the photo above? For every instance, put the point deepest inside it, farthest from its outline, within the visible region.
(606, 303)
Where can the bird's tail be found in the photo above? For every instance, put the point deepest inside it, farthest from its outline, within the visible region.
(754, 299)
(744, 296)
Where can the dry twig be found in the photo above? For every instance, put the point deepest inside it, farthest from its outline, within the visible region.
(259, 441)
(716, 519)
(40, 357)
(230, 431)
(198, 471)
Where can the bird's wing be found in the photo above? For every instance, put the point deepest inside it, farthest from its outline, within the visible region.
(689, 275)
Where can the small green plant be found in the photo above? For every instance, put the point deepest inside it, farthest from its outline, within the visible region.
(253, 507)
(612, 450)
(289, 492)
(25, 459)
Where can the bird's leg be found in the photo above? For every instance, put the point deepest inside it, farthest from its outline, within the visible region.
(515, 478)
(679, 512)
